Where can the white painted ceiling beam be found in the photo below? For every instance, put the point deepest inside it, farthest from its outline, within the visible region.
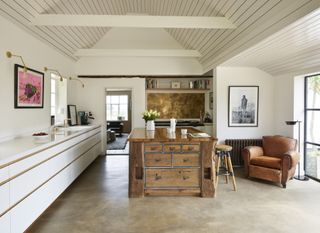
(137, 53)
(140, 21)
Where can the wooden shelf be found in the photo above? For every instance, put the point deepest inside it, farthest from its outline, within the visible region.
(188, 90)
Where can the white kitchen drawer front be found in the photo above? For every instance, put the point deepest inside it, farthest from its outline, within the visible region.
(26, 183)
(4, 174)
(85, 161)
(24, 214)
(41, 156)
(4, 198)
(4, 189)
(5, 223)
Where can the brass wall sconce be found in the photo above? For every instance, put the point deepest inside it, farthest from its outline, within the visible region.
(54, 70)
(10, 55)
(61, 77)
(76, 79)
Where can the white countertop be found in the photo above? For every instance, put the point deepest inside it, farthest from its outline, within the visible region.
(18, 148)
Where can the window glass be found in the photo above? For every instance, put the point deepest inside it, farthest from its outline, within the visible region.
(114, 99)
(313, 126)
(53, 85)
(313, 160)
(313, 92)
(53, 96)
(123, 99)
(117, 106)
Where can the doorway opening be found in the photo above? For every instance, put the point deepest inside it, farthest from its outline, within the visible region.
(118, 121)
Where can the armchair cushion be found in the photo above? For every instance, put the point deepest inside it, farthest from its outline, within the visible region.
(278, 145)
(266, 161)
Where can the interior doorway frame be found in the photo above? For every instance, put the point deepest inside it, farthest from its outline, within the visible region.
(118, 89)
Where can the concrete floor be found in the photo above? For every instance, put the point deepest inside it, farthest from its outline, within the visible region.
(97, 202)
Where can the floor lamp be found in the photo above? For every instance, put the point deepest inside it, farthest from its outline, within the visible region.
(298, 177)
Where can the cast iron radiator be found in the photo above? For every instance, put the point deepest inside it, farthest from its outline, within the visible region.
(237, 146)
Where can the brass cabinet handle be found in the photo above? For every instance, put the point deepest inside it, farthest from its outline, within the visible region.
(171, 148)
(186, 177)
(190, 148)
(153, 148)
(186, 160)
(157, 177)
(157, 160)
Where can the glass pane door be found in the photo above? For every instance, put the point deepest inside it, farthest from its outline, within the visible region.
(312, 126)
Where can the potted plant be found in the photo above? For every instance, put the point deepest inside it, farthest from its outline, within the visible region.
(149, 116)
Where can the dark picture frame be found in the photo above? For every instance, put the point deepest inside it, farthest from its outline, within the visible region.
(28, 87)
(72, 115)
(243, 106)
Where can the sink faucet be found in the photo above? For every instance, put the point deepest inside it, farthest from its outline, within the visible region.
(53, 129)
(65, 123)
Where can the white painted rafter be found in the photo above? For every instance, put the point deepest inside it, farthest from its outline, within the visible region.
(137, 53)
(141, 21)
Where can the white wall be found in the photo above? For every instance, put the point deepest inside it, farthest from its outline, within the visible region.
(283, 104)
(233, 76)
(36, 55)
(288, 104)
(92, 98)
(137, 38)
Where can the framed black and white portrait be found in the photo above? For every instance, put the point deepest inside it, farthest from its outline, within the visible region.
(243, 106)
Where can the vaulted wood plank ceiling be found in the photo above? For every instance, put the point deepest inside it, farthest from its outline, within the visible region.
(294, 49)
(255, 19)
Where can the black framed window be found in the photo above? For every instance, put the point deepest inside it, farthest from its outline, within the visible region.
(312, 127)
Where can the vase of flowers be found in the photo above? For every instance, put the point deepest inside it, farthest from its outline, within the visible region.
(149, 116)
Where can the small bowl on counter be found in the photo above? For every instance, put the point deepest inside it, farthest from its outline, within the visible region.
(41, 137)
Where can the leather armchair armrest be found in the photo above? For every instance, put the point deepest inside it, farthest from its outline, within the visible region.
(291, 158)
(248, 153)
(289, 161)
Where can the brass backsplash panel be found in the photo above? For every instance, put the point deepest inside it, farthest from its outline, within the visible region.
(176, 105)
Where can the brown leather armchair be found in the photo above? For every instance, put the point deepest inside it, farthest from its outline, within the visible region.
(275, 161)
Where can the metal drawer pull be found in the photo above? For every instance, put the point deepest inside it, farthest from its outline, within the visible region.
(190, 148)
(171, 148)
(186, 177)
(157, 177)
(153, 148)
(157, 160)
(186, 160)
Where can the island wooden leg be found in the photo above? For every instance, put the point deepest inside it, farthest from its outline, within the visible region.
(136, 172)
(208, 169)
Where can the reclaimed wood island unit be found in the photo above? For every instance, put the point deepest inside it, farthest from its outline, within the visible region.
(170, 164)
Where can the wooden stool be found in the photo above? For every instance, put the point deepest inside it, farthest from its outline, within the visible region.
(224, 157)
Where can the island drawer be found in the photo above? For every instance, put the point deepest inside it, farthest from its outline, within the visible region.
(153, 147)
(191, 148)
(184, 177)
(157, 160)
(171, 148)
(192, 159)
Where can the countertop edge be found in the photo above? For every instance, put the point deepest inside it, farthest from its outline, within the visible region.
(41, 147)
(189, 139)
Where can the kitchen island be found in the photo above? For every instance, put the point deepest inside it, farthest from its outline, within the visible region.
(162, 163)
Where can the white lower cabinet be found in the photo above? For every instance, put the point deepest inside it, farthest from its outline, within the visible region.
(38, 184)
(4, 200)
(5, 223)
(4, 189)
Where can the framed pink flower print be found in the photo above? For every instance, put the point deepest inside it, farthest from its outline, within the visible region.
(28, 88)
